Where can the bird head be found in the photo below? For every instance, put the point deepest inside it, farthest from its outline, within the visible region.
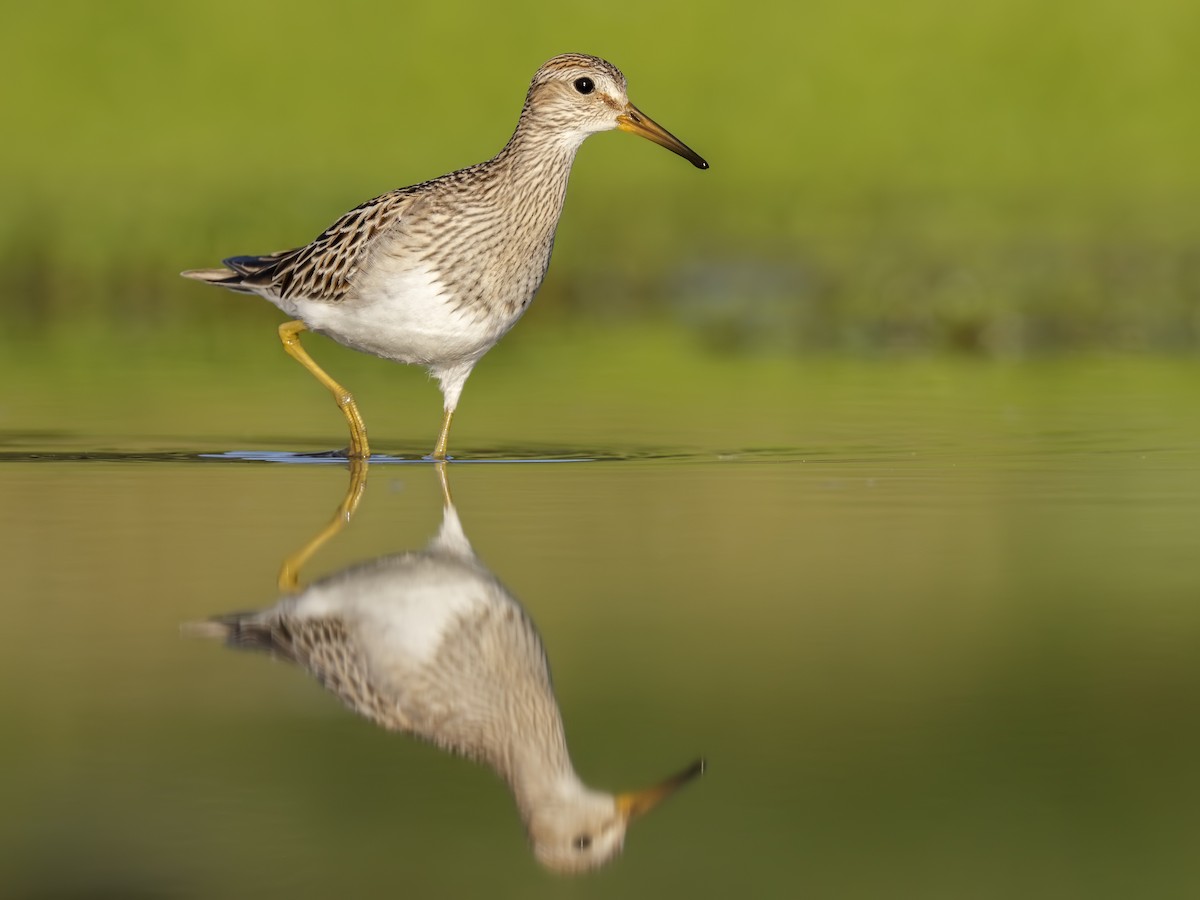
(584, 830)
(579, 95)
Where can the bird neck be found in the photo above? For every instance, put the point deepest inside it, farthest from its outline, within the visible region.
(542, 785)
(536, 763)
(538, 157)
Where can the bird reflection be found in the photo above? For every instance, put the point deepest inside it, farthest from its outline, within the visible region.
(431, 644)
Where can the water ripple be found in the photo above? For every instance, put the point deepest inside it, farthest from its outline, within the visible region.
(494, 455)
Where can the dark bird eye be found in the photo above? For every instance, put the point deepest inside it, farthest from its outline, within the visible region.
(585, 85)
(584, 840)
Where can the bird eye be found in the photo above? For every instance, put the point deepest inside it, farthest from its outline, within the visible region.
(584, 840)
(585, 85)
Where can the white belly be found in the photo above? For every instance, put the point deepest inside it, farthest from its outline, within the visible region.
(401, 611)
(407, 315)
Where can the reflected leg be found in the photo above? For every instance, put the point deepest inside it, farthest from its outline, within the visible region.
(447, 500)
(289, 333)
(289, 572)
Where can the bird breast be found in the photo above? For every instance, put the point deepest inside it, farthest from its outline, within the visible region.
(442, 287)
(441, 644)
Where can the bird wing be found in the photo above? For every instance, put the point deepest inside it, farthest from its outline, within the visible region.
(321, 270)
(325, 648)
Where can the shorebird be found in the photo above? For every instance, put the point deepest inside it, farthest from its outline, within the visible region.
(430, 643)
(435, 274)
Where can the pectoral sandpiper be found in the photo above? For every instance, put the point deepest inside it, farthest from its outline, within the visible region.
(431, 644)
(435, 274)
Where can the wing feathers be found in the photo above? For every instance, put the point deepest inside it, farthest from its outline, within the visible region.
(321, 270)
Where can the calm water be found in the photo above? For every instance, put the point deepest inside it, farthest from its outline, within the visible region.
(937, 637)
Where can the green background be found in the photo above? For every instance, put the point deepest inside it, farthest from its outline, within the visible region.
(1002, 177)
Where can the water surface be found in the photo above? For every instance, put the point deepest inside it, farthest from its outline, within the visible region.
(935, 634)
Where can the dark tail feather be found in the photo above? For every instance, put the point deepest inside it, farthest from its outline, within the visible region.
(242, 632)
(241, 273)
(249, 266)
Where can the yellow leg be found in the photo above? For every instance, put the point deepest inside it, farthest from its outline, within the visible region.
(289, 572)
(289, 333)
(439, 452)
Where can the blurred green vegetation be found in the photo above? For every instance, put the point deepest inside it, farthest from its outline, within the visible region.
(1003, 177)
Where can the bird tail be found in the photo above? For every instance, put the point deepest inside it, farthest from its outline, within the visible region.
(239, 273)
(244, 631)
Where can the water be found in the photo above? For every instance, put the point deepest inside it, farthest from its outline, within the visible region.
(936, 635)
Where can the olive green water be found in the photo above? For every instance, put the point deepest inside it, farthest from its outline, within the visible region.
(933, 624)
(866, 464)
